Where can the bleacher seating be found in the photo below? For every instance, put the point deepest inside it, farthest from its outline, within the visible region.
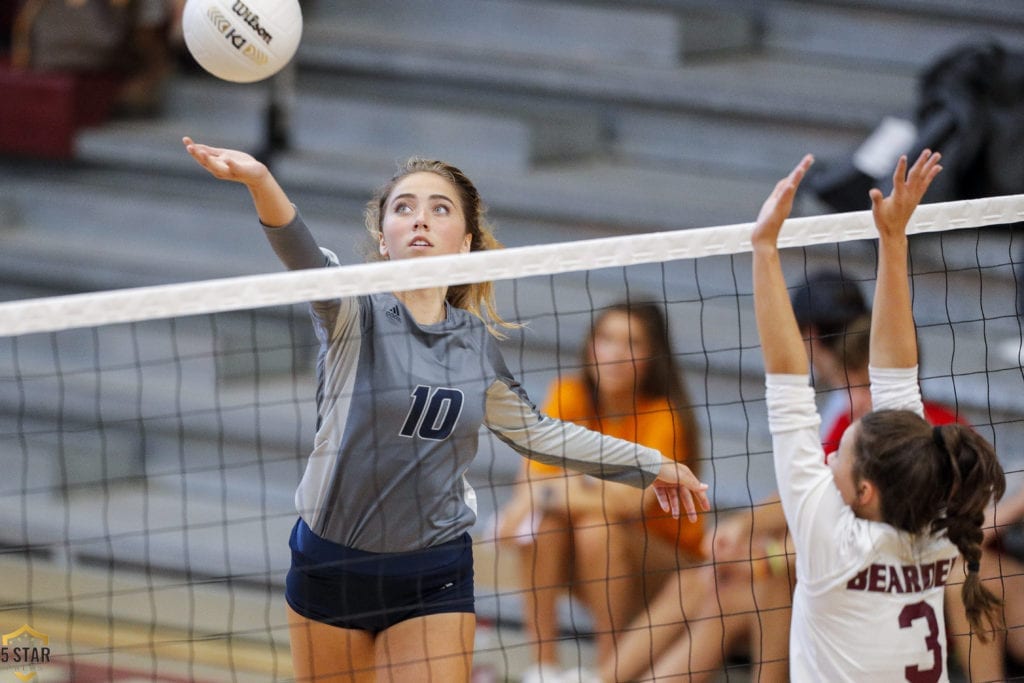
(577, 118)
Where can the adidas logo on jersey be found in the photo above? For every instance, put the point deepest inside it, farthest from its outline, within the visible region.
(394, 314)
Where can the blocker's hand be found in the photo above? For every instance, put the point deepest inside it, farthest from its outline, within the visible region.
(778, 205)
(677, 483)
(892, 213)
(227, 164)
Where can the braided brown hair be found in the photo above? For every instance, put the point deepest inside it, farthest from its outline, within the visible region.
(932, 480)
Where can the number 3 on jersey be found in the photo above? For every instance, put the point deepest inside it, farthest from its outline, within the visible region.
(910, 614)
(433, 413)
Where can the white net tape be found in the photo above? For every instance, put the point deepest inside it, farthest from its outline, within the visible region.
(228, 294)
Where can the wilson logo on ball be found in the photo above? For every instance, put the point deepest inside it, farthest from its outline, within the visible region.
(242, 41)
(237, 40)
(253, 20)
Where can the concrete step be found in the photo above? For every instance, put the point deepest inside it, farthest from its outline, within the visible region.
(746, 84)
(378, 130)
(654, 34)
(724, 144)
(156, 525)
(896, 35)
(348, 126)
(991, 12)
(836, 68)
(601, 191)
(79, 231)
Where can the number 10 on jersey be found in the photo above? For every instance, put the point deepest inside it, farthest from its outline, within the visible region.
(433, 414)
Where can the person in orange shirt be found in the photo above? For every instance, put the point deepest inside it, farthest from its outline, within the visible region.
(611, 548)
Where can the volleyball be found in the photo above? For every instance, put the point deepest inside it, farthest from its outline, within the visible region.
(242, 41)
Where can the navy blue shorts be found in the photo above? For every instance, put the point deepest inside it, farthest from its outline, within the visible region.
(341, 586)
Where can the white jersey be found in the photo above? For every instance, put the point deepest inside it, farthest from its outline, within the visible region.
(868, 604)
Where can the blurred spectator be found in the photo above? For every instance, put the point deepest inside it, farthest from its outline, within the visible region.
(124, 42)
(608, 545)
(828, 307)
(1002, 571)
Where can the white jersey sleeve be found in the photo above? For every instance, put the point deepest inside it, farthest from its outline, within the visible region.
(810, 499)
(896, 389)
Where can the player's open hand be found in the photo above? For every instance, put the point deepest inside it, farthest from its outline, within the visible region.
(892, 213)
(676, 488)
(777, 207)
(227, 164)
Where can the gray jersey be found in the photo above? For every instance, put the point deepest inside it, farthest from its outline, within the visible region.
(399, 410)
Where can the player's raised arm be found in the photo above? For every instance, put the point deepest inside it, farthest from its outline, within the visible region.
(781, 343)
(893, 336)
(272, 204)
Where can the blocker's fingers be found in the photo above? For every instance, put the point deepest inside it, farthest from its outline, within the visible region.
(876, 198)
(899, 174)
(923, 162)
(930, 167)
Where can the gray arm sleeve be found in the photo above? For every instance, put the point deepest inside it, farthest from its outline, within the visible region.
(295, 246)
(515, 421)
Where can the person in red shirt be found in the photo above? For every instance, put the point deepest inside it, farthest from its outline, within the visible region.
(834, 319)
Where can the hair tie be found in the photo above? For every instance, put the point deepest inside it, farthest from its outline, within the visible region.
(973, 567)
(937, 438)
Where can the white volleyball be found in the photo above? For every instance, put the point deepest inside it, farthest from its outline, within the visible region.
(242, 40)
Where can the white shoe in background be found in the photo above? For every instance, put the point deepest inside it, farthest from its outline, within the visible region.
(579, 675)
(542, 673)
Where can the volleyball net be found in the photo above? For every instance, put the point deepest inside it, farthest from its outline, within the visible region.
(151, 439)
